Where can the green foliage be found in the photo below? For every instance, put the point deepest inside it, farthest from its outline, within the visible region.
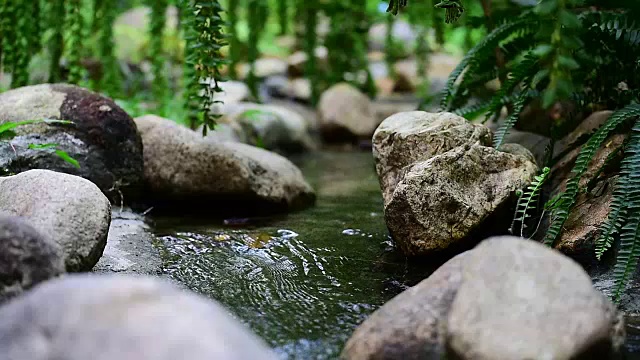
(527, 201)
(204, 58)
(73, 45)
(156, 54)
(105, 15)
(56, 20)
(310, 10)
(7, 133)
(257, 14)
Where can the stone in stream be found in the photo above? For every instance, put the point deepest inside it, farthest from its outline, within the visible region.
(345, 114)
(413, 324)
(106, 317)
(519, 299)
(27, 257)
(69, 209)
(508, 298)
(181, 167)
(441, 181)
(103, 138)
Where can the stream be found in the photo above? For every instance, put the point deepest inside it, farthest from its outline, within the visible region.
(303, 281)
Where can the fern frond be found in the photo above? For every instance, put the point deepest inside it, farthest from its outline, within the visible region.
(523, 71)
(615, 220)
(627, 259)
(483, 49)
(473, 111)
(503, 130)
(621, 25)
(528, 199)
(589, 149)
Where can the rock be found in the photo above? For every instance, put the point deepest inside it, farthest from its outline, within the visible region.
(402, 32)
(345, 114)
(264, 67)
(122, 317)
(299, 89)
(521, 300)
(103, 139)
(69, 209)
(536, 144)
(183, 168)
(27, 257)
(385, 109)
(232, 93)
(410, 137)
(129, 246)
(272, 127)
(538, 120)
(298, 60)
(446, 200)
(587, 127)
(413, 324)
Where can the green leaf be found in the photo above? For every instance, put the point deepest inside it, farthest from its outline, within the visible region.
(64, 156)
(547, 7)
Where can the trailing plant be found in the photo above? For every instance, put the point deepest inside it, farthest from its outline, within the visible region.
(156, 53)
(234, 42)
(105, 15)
(310, 9)
(257, 14)
(204, 59)
(74, 41)
(56, 20)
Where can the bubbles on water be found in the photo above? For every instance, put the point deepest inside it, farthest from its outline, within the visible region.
(351, 232)
(287, 234)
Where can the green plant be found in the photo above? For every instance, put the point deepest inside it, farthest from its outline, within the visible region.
(156, 36)
(105, 15)
(527, 201)
(7, 133)
(204, 40)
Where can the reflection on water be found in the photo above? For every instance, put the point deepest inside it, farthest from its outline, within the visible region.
(304, 281)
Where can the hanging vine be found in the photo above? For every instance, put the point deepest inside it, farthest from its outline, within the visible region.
(156, 53)
(74, 41)
(56, 21)
(234, 42)
(310, 10)
(257, 14)
(22, 44)
(105, 17)
(204, 37)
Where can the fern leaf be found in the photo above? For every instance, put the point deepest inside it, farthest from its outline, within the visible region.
(627, 259)
(472, 111)
(484, 47)
(568, 198)
(511, 120)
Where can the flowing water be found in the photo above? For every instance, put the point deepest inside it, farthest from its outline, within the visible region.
(304, 281)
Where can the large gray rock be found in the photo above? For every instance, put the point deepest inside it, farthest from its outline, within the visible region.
(27, 257)
(442, 181)
(345, 114)
(183, 167)
(103, 138)
(129, 246)
(69, 209)
(413, 136)
(413, 324)
(443, 201)
(521, 300)
(119, 317)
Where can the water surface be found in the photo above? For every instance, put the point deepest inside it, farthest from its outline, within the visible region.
(304, 281)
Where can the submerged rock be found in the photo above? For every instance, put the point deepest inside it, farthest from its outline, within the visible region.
(27, 257)
(508, 298)
(520, 299)
(181, 167)
(441, 181)
(121, 317)
(103, 138)
(345, 114)
(69, 209)
(413, 324)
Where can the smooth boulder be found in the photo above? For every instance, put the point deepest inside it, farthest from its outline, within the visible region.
(271, 127)
(103, 138)
(181, 167)
(27, 257)
(345, 114)
(522, 300)
(412, 325)
(106, 317)
(69, 209)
